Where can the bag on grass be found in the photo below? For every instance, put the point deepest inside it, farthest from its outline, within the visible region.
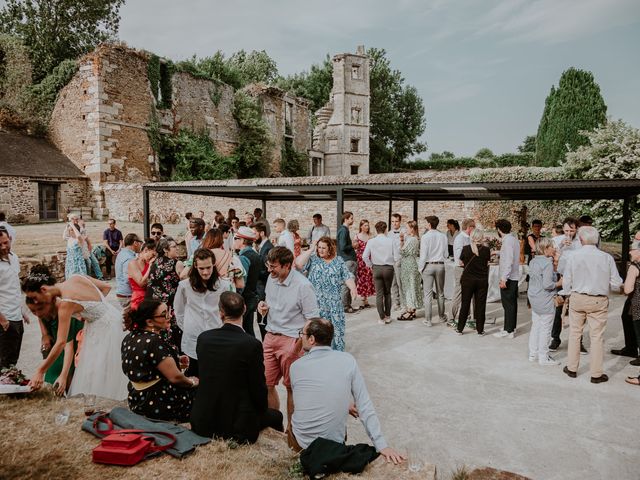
(125, 447)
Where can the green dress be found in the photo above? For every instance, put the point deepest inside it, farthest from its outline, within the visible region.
(55, 369)
(409, 274)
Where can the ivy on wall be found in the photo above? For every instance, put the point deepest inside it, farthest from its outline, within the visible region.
(252, 152)
(159, 73)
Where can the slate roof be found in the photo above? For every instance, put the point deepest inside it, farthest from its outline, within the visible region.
(26, 156)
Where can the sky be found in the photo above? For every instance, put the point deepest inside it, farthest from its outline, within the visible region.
(482, 67)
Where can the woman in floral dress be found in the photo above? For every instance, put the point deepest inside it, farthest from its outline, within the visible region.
(409, 274)
(364, 276)
(327, 273)
(163, 281)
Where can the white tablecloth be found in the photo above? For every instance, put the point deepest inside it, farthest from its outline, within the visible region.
(493, 295)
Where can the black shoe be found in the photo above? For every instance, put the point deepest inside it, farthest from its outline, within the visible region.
(635, 363)
(583, 351)
(624, 353)
(553, 346)
(601, 379)
(570, 373)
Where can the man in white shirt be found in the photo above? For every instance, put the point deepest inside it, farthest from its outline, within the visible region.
(324, 383)
(509, 276)
(9, 228)
(11, 317)
(380, 255)
(285, 239)
(318, 230)
(433, 251)
(396, 287)
(290, 301)
(462, 239)
(589, 275)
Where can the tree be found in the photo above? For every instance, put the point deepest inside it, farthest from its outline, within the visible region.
(484, 153)
(239, 70)
(575, 106)
(57, 30)
(613, 151)
(528, 144)
(314, 85)
(442, 156)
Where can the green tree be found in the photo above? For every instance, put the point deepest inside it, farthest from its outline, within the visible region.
(252, 153)
(194, 157)
(613, 151)
(574, 107)
(56, 30)
(528, 144)
(442, 156)
(484, 153)
(314, 85)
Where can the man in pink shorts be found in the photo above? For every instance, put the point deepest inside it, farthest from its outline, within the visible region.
(290, 302)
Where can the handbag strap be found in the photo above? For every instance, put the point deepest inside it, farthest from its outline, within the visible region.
(110, 430)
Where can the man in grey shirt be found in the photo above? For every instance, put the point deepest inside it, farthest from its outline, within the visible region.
(318, 230)
(327, 386)
(509, 276)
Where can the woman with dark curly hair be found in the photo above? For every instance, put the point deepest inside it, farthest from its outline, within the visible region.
(99, 371)
(157, 387)
(164, 277)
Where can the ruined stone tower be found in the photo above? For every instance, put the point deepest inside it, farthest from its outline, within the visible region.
(341, 136)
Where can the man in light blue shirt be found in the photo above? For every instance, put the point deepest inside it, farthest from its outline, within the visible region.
(327, 386)
(123, 289)
(509, 277)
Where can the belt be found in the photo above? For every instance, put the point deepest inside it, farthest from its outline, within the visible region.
(122, 296)
(435, 263)
(277, 334)
(140, 386)
(589, 294)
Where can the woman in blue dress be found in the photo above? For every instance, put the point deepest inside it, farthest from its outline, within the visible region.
(327, 272)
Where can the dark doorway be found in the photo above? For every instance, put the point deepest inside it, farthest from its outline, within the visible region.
(48, 201)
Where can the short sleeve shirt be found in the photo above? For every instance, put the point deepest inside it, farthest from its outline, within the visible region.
(142, 351)
(113, 238)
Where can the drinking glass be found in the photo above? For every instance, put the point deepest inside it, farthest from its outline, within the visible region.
(414, 459)
(89, 404)
(62, 414)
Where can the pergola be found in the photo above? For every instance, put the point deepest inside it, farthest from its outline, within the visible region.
(413, 187)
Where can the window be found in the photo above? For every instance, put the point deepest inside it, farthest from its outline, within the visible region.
(354, 169)
(288, 116)
(316, 167)
(355, 72)
(355, 144)
(355, 115)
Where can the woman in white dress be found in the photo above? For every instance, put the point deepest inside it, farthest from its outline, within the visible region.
(99, 369)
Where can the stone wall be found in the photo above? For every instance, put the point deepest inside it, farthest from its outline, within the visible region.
(125, 203)
(19, 196)
(193, 107)
(55, 262)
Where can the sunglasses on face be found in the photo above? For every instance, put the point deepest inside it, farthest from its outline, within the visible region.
(156, 234)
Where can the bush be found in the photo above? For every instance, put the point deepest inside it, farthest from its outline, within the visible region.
(252, 153)
(447, 163)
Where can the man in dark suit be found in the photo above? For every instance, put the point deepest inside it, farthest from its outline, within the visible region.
(263, 245)
(231, 401)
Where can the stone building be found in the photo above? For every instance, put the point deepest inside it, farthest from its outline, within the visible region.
(37, 182)
(341, 135)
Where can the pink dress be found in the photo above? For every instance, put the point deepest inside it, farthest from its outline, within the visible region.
(364, 277)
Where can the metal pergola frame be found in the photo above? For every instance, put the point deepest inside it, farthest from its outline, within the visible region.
(375, 188)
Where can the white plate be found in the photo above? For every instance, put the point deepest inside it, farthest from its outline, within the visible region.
(6, 389)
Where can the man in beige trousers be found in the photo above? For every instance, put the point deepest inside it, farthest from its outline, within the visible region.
(589, 275)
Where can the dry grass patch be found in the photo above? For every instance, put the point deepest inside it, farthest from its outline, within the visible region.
(34, 447)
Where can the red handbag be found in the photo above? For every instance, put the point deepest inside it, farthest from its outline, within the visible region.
(125, 447)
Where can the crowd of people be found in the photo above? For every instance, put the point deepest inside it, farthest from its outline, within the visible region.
(189, 351)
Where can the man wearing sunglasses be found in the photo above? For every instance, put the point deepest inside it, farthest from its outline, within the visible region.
(157, 232)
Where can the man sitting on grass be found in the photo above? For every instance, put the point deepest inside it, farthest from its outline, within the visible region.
(324, 382)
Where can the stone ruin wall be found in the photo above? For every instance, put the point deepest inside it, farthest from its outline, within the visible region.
(193, 107)
(19, 196)
(125, 204)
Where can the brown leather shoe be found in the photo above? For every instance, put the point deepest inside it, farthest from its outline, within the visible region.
(570, 373)
(601, 379)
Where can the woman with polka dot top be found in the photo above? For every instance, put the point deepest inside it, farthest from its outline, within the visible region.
(157, 387)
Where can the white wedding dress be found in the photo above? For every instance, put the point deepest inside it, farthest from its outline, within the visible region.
(99, 369)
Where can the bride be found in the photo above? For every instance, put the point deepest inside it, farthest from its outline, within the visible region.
(99, 369)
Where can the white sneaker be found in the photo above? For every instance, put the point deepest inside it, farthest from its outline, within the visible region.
(548, 361)
(444, 319)
(533, 358)
(511, 335)
(427, 322)
(501, 334)
(387, 320)
(381, 322)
